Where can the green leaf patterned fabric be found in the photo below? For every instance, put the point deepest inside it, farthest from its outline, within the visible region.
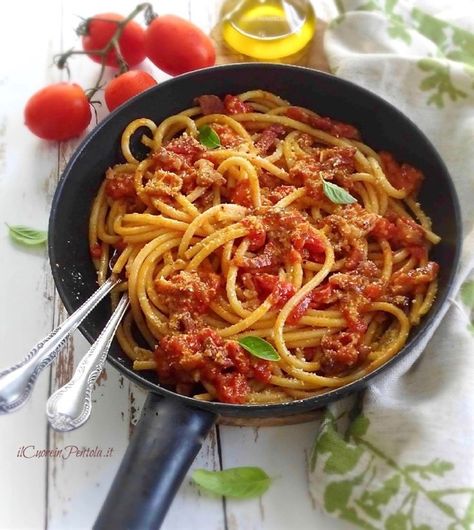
(372, 489)
(400, 456)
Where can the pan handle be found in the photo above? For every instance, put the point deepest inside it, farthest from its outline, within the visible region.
(164, 444)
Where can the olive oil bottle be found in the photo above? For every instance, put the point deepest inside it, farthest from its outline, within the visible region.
(267, 29)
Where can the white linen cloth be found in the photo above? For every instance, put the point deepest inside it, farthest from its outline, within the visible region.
(401, 455)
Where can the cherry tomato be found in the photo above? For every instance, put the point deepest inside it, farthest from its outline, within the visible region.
(58, 112)
(100, 30)
(177, 46)
(125, 86)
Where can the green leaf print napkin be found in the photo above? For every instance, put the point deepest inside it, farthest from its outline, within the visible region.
(401, 456)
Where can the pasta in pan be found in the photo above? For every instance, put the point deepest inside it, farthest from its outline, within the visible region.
(256, 226)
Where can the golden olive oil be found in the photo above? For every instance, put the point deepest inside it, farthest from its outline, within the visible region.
(268, 29)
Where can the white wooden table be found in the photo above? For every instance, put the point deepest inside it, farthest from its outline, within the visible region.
(67, 491)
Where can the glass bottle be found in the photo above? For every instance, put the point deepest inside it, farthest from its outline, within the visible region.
(267, 29)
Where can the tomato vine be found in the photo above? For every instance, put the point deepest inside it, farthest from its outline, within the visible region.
(113, 44)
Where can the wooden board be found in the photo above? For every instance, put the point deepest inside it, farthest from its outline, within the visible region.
(67, 489)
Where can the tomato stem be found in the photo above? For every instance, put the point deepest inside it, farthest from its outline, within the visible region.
(113, 44)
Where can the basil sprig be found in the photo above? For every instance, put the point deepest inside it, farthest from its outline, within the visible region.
(26, 235)
(237, 482)
(336, 194)
(209, 137)
(259, 347)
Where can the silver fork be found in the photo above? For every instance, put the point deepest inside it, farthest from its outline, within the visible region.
(70, 406)
(17, 381)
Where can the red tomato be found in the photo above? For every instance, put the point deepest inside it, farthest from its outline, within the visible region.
(100, 30)
(177, 46)
(125, 86)
(58, 112)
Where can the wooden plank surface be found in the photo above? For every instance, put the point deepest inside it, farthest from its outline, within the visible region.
(67, 490)
(26, 310)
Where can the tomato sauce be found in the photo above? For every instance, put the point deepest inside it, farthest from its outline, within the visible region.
(257, 235)
(288, 238)
(401, 232)
(316, 299)
(419, 252)
(189, 291)
(268, 139)
(168, 160)
(267, 180)
(96, 250)
(241, 193)
(187, 147)
(278, 193)
(204, 357)
(181, 166)
(355, 290)
(120, 186)
(331, 164)
(401, 176)
(383, 228)
(227, 136)
(404, 282)
(310, 246)
(270, 284)
(234, 105)
(334, 127)
(340, 351)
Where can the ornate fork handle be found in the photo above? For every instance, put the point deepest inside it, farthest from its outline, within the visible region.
(16, 382)
(70, 406)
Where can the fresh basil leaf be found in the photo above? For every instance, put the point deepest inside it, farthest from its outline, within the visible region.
(209, 137)
(26, 235)
(467, 293)
(238, 482)
(259, 347)
(337, 194)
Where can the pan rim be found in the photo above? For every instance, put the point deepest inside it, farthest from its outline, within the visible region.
(288, 407)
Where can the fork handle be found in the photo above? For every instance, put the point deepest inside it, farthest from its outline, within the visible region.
(17, 381)
(70, 406)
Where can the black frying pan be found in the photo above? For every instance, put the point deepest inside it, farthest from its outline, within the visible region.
(172, 427)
